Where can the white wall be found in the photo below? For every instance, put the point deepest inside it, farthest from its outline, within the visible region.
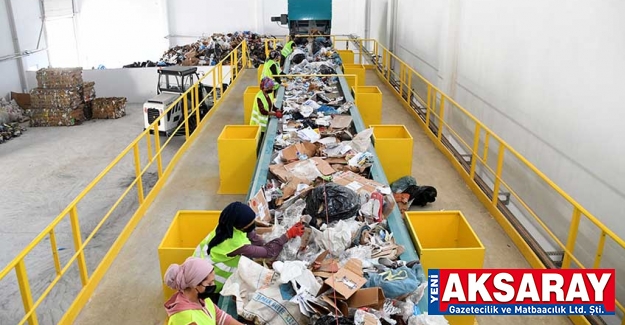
(10, 73)
(272, 8)
(194, 18)
(26, 15)
(379, 22)
(119, 32)
(544, 75)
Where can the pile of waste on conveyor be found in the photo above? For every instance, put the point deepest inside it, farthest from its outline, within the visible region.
(210, 50)
(345, 268)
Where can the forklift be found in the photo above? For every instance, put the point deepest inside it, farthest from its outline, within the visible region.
(173, 81)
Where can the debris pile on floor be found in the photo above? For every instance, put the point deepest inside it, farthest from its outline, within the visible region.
(346, 264)
(10, 117)
(109, 107)
(210, 51)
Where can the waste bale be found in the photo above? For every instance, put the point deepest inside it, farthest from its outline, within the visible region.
(45, 98)
(108, 107)
(56, 117)
(59, 77)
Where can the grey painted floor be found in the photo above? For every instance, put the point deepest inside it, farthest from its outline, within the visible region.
(131, 292)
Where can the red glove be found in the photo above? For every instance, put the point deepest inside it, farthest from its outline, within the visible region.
(296, 231)
(278, 114)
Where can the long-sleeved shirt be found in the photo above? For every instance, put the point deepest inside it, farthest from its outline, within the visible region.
(260, 249)
(261, 107)
(275, 74)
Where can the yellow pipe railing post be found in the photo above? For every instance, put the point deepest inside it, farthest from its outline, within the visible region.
(486, 142)
(570, 242)
(409, 99)
(197, 105)
(82, 264)
(220, 78)
(401, 80)
(148, 142)
(360, 51)
(476, 147)
(600, 246)
(185, 116)
(388, 65)
(235, 64)
(429, 107)
(157, 151)
(55, 252)
(27, 297)
(138, 173)
(441, 118)
(498, 174)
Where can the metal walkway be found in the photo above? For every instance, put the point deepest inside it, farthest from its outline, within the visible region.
(131, 291)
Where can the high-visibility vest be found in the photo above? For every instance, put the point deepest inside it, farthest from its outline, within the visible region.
(288, 49)
(224, 265)
(267, 71)
(257, 117)
(196, 316)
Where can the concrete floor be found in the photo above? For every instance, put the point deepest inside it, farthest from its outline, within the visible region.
(131, 291)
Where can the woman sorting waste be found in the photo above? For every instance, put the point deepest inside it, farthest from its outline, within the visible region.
(235, 237)
(195, 281)
(263, 107)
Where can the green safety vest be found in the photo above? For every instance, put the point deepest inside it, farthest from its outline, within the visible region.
(200, 317)
(267, 71)
(288, 49)
(224, 265)
(258, 118)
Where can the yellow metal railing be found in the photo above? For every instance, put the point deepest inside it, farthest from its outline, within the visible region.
(443, 118)
(145, 152)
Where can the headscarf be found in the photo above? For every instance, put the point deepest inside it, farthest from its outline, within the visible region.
(235, 215)
(267, 84)
(191, 273)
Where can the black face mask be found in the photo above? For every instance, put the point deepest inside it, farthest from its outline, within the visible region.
(208, 290)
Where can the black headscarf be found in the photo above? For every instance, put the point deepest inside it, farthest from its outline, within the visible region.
(235, 215)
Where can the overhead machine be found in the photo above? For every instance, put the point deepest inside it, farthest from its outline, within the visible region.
(305, 17)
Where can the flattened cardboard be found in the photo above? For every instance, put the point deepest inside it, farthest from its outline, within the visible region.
(289, 153)
(259, 204)
(340, 161)
(350, 274)
(341, 306)
(280, 171)
(369, 297)
(348, 177)
(291, 187)
(323, 166)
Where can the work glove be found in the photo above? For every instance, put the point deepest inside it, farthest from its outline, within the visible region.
(278, 114)
(296, 231)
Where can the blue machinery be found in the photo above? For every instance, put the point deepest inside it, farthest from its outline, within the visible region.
(395, 220)
(305, 16)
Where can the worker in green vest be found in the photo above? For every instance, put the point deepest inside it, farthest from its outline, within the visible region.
(263, 106)
(234, 237)
(288, 49)
(272, 69)
(194, 281)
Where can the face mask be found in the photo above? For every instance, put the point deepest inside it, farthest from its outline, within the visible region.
(208, 290)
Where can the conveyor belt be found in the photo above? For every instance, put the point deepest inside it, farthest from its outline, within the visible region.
(395, 221)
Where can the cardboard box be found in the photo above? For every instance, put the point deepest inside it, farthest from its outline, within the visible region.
(357, 183)
(259, 204)
(289, 154)
(346, 281)
(369, 297)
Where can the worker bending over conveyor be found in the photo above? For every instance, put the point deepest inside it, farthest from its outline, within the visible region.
(287, 49)
(234, 237)
(272, 70)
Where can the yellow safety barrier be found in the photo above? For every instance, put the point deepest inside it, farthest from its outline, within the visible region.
(491, 157)
(369, 104)
(445, 240)
(185, 233)
(147, 153)
(248, 102)
(393, 144)
(236, 147)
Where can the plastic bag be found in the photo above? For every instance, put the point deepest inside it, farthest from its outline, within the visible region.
(342, 203)
(362, 140)
(400, 185)
(397, 282)
(290, 249)
(336, 239)
(248, 278)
